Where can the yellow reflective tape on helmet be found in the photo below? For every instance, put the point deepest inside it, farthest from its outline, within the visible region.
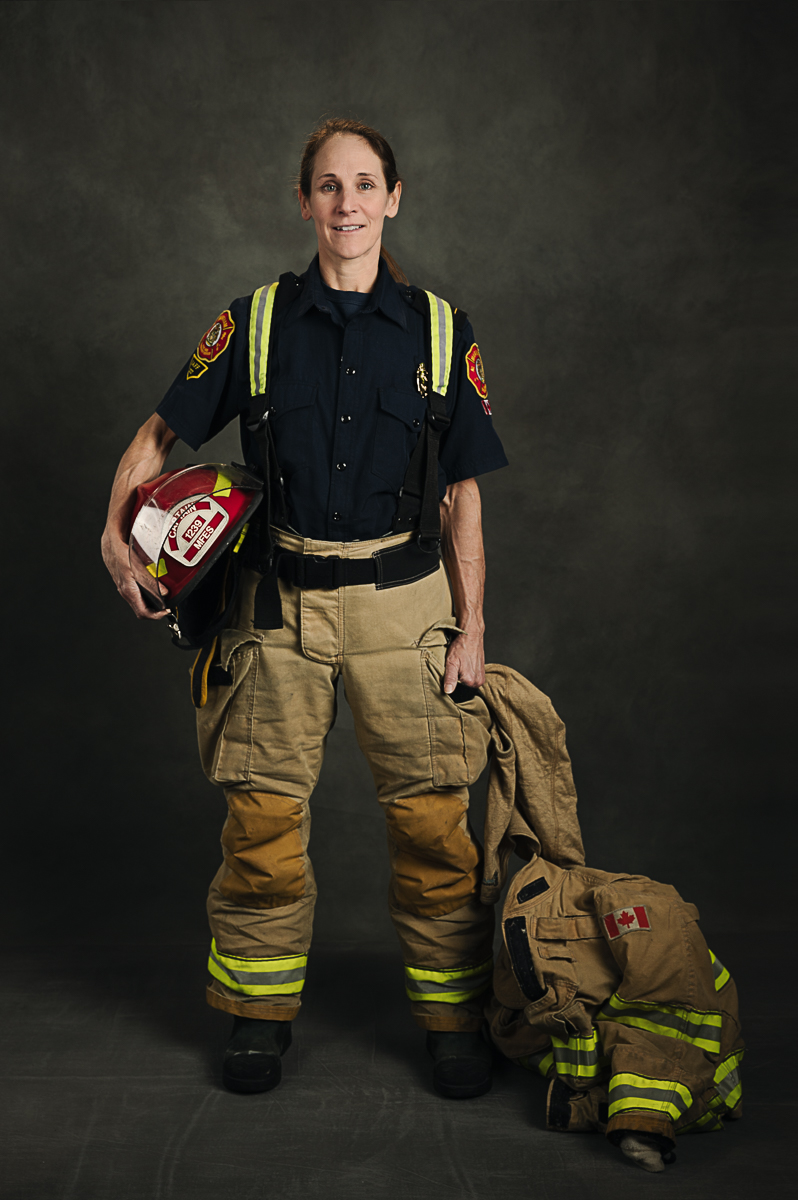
(222, 486)
(629, 1091)
(701, 1029)
(260, 323)
(162, 568)
(722, 976)
(441, 319)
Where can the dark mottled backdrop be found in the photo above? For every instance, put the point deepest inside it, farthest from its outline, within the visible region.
(600, 186)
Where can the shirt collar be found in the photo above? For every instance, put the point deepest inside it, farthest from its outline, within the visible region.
(385, 296)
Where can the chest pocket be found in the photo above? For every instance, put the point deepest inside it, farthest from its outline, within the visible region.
(399, 421)
(292, 419)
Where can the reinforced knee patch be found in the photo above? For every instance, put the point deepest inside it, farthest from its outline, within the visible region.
(263, 848)
(435, 861)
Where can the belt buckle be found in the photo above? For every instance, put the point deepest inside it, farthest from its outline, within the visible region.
(331, 576)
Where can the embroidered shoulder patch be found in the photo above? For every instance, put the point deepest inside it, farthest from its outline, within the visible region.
(476, 373)
(214, 343)
(626, 920)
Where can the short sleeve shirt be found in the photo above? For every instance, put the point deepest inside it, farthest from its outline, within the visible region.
(345, 407)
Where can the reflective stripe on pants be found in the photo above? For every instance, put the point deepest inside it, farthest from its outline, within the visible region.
(448, 987)
(633, 1092)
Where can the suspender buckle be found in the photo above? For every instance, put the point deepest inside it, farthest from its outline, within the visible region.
(430, 545)
(438, 421)
(257, 424)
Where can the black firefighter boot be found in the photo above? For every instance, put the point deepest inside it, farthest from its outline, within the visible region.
(463, 1063)
(252, 1058)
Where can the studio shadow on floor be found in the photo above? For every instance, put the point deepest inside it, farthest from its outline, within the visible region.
(111, 1089)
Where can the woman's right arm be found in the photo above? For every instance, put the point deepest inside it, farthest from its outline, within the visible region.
(144, 459)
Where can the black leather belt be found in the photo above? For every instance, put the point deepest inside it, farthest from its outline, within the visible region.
(385, 568)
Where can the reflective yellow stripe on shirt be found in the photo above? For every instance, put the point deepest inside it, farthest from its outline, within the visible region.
(441, 339)
(448, 987)
(260, 323)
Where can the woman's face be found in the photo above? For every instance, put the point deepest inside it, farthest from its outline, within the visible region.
(348, 199)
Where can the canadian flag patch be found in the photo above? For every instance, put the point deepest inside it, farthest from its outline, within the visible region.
(625, 920)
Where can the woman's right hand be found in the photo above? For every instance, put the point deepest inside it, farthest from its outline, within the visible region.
(144, 459)
(116, 556)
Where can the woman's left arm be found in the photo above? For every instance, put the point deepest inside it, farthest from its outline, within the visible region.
(461, 544)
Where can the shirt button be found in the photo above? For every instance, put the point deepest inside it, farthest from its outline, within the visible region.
(416, 422)
(340, 466)
(336, 516)
(351, 371)
(346, 419)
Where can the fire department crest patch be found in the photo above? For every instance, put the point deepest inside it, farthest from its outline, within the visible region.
(476, 373)
(214, 343)
(626, 920)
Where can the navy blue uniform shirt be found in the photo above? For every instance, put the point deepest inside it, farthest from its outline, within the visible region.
(346, 410)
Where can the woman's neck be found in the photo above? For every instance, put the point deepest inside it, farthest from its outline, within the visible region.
(350, 274)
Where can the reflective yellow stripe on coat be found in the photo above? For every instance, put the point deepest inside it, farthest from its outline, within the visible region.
(722, 976)
(702, 1029)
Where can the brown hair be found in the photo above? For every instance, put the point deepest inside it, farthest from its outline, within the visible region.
(380, 147)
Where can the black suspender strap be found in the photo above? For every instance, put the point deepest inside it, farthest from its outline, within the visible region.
(419, 506)
(267, 302)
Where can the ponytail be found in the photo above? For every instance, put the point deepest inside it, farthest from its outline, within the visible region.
(396, 271)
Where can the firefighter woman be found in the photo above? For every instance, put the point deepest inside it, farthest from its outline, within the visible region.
(370, 402)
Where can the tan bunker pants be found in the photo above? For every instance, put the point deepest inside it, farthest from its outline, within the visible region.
(262, 739)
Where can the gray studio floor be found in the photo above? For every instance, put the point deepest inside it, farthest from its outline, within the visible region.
(111, 1090)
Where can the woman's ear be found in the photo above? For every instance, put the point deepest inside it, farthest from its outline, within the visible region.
(304, 205)
(393, 200)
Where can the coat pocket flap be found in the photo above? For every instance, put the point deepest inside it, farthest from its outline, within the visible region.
(565, 929)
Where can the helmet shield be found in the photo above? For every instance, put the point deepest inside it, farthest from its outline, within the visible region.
(183, 522)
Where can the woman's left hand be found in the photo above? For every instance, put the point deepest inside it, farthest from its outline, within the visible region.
(465, 662)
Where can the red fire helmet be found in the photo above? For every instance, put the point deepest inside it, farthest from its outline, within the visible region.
(183, 521)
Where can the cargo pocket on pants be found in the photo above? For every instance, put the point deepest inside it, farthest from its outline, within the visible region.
(224, 724)
(459, 740)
